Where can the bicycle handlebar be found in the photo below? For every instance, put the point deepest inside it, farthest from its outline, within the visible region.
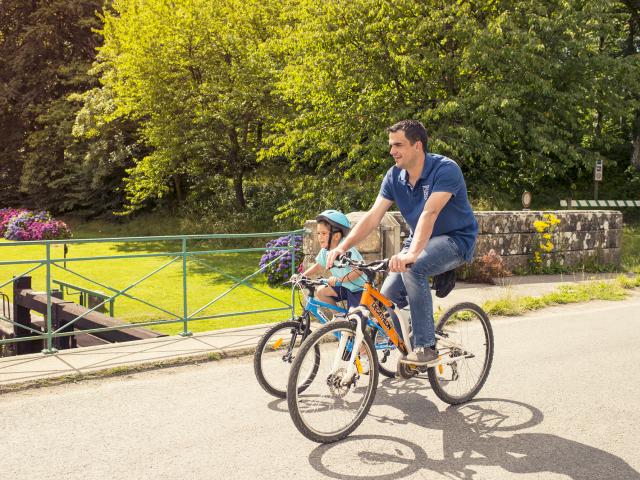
(371, 267)
(306, 282)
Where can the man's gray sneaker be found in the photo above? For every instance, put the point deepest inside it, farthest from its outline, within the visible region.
(421, 356)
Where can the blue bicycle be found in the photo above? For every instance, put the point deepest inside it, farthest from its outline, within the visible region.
(279, 345)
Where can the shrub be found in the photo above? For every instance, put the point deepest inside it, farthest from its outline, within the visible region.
(485, 268)
(7, 214)
(280, 270)
(26, 225)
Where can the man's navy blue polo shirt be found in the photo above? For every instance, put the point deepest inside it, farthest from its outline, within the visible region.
(439, 174)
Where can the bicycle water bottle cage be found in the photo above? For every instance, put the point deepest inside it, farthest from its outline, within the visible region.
(444, 283)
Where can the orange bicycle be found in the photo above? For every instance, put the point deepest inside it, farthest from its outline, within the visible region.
(346, 371)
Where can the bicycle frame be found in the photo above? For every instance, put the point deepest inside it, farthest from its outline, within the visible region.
(314, 305)
(374, 304)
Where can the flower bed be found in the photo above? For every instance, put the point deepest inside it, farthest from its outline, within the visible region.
(280, 270)
(20, 224)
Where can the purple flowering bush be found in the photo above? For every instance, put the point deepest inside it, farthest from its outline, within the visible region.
(7, 214)
(280, 271)
(26, 225)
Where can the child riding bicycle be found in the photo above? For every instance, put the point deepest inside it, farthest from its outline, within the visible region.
(345, 283)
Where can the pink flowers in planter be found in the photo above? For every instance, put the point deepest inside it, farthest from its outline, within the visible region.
(20, 224)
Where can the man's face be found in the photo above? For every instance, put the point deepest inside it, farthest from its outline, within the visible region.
(405, 154)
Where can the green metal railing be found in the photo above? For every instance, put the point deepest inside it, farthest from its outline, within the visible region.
(185, 255)
(84, 293)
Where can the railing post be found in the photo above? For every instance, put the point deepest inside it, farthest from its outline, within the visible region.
(185, 332)
(292, 249)
(49, 348)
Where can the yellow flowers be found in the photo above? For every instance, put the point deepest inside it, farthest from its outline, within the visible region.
(544, 246)
(551, 218)
(540, 226)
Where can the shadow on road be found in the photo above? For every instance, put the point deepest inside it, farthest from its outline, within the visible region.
(481, 433)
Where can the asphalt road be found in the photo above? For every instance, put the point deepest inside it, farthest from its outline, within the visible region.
(562, 402)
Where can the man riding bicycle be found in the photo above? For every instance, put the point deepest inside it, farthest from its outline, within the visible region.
(431, 194)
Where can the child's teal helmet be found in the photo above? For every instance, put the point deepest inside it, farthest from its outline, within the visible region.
(337, 220)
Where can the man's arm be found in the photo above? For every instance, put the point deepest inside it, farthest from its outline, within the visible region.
(423, 232)
(367, 223)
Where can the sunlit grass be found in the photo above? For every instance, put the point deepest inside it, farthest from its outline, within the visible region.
(208, 277)
(631, 248)
(512, 305)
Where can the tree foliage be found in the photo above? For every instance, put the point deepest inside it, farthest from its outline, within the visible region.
(206, 103)
(520, 92)
(196, 77)
(46, 49)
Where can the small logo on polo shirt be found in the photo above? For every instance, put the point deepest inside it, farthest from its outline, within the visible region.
(425, 191)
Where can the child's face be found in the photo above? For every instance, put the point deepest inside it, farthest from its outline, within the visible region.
(323, 233)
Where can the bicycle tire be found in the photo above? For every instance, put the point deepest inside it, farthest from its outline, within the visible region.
(326, 336)
(270, 386)
(436, 378)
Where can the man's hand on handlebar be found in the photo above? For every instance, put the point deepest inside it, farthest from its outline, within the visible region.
(333, 254)
(402, 262)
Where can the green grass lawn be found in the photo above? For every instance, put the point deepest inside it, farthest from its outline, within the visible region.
(205, 281)
(631, 248)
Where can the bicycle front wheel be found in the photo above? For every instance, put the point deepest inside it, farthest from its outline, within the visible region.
(340, 395)
(274, 355)
(464, 340)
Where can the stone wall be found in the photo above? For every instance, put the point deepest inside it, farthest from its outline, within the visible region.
(580, 236)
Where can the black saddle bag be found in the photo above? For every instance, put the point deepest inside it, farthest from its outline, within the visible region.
(443, 283)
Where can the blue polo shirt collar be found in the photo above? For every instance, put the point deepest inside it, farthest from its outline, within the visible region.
(426, 168)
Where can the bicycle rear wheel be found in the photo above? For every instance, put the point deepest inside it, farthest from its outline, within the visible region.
(332, 405)
(274, 355)
(465, 346)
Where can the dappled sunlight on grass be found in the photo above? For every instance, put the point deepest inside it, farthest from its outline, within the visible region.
(208, 277)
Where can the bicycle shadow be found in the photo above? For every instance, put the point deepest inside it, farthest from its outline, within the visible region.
(481, 433)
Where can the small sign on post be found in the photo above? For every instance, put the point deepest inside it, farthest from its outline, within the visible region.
(598, 171)
(597, 177)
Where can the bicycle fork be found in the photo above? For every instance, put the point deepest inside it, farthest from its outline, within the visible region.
(348, 348)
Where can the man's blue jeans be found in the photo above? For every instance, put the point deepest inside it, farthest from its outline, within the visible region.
(440, 255)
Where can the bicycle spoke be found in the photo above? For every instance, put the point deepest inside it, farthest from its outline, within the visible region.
(466, 347)
(335, 401)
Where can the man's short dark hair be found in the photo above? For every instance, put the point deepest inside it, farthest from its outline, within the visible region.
(413, 130)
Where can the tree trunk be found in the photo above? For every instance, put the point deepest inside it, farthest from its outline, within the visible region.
(635, 140)
(177, 183)
(237, 185)
(236, 167)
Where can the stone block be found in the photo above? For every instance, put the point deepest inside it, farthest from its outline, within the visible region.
(373, 242)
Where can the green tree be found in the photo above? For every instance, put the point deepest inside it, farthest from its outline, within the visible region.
(521, 93)
(197, 78)
(45, 51)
